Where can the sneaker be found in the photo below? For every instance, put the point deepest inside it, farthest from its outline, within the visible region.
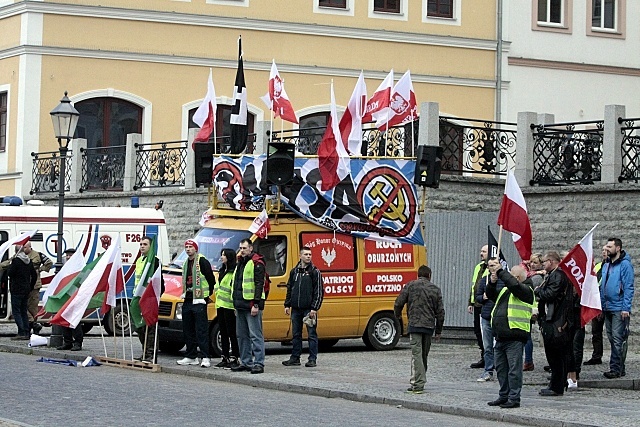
(64, 347)
(310, 364)
(415, 390)
(499, 401)
(188, 361)
(224, 363)
(240, 368)
(257, 369)
(291, 362)
(233, 363)
(593, 361)
(206, 362)
(510, 404)
(76, 347)
(139, 358)
(612, 374)
(478, 364)
(37, 327)
(571, 384)
(528, 366)
(486, 376)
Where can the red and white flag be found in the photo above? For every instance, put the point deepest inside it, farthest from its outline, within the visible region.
(513, 216)
(578, 266)
(333, 160)
(97, 281)
(402, 106)
(18, 240)
(150, 299)
(379, 100)
(261, 226)
(115, 281)
(69, 270)
(351, 121)
(276, 99)
(206, 113)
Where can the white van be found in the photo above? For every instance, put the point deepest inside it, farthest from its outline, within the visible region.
(87, 229)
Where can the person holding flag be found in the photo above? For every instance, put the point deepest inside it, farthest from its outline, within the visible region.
(72, 338)
(22, 280)
(146, 265)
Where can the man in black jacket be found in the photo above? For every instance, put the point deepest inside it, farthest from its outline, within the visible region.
(304, 298)
(426, 315)
(22, 280)
(510, 322)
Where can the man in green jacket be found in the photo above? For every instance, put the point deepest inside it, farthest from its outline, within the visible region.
(425, 311)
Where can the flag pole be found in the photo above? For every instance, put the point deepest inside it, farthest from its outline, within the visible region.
(104, 342)
(115, 343)
(146, 334)
(126, 298)
(412, 135)
(155, 344)
(590, 231)
(500, 241)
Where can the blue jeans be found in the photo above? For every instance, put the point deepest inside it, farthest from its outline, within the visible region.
(487, 341)
(508, 359)
(528, 350)
(195, 327)
(297, 315)
(19, 304)
(618, 332)
(250, 338)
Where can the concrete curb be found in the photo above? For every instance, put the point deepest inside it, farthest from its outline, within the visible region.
(256, 381)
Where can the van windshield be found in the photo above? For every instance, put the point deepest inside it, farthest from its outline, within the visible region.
(211, 241)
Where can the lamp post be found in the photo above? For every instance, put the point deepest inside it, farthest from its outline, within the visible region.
(65, 119)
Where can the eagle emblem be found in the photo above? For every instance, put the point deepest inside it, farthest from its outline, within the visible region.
(329, 256)
(106, 241)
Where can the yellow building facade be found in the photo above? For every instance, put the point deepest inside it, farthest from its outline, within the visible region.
(142, 67)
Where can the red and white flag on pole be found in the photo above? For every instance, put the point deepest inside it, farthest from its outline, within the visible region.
(206, 113)
(578, 266)
(333, 160)
(115, 281)
(276, 99)
(379, 100)
(402, 107)
(18, 240)
(97, 281)
(513, 216)
(67, 273)
(351, 121)
(150, 299)
(261, 226)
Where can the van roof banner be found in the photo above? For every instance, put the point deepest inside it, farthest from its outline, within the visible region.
(377, 201)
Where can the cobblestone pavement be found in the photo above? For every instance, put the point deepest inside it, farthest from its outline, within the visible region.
(350, 371)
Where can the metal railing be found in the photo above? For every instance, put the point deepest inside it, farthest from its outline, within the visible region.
(563, 154)
(630, 150)
(223, 145)
(393, 142)
(484, 148)
(103, 168)
(160, 164)
(46, 172)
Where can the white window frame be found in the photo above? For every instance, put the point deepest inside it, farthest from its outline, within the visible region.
(616, 17)
(402, 16)
(4, 155)
(347, 11)
(547, 22)
(457, 15)
(241, 3)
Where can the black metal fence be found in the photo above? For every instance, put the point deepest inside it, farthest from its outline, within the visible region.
(103, 168)
(46, 172)
(160, 164)
(563, 154)
(477, 146)
(630, 150)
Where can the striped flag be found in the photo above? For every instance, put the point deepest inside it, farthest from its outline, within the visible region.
(142, 282)
(513, 216)
(18, 240)
(150, 299)
(67, 273)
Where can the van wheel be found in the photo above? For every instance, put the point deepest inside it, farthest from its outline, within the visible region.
(327, 344)
(382, 332)
(117, 322)
(215, 340)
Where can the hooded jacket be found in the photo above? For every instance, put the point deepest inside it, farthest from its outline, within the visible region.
(22, 275)
(304, 288)
(616, 288)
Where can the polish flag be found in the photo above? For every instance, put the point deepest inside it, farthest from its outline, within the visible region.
(115, 282)
(379, 100)
(18, 240)
(578, 266)
(333, 159)
(150, 299)
(513, 216)
(206, 113)
(97, 281)
(351, 121)
(67, 273)
(402, 107)
(276, 99)
(261, 226)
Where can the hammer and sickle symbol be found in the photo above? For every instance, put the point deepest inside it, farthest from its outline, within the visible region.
(393, 203)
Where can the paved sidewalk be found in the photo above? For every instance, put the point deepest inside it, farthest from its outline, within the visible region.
(350, 372)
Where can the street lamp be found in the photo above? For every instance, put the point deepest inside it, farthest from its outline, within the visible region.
(65, 119)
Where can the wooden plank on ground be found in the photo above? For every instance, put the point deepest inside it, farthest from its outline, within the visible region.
(129, 364)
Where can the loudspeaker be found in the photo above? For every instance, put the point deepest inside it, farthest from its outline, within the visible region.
(280, 156)
(428, 163)
(204, 162)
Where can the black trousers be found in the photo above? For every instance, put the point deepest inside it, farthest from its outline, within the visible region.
(597, 326)
(476, 328)
(72, 336)
(227, 322)
(558, 357)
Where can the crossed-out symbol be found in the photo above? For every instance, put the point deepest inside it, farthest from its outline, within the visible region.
(393, 202)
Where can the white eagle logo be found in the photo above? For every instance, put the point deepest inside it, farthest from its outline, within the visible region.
(328, 256)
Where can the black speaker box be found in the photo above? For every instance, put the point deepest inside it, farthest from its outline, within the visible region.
(428, 163)
(280, 156)
(204, 162)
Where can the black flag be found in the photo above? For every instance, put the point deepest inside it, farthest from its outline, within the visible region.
(239, 128)
(493, 250)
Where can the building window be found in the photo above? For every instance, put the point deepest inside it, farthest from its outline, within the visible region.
(3, 121)
(223, 125)
(440, 8)
(106, 122)
(604, 14)
(389, 6)
(340, 4)
(551, 11)
(312, 127)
